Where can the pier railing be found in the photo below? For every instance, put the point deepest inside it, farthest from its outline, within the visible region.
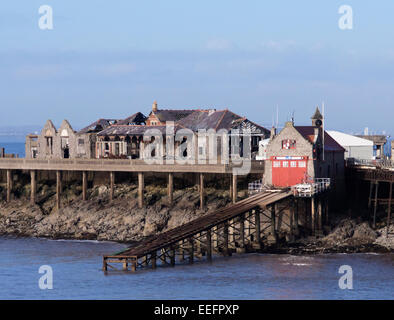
(310, 189)
(378, 163)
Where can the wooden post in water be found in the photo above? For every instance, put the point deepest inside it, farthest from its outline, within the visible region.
(170, 188)
(111, 185)
(209, 245)
(172, 256)
(9, 185)
(201, 191)
(257, 228)
(191, 250)
(140, 190)
(226, 251)
(296, 230)
(389, 210)
(84, 186)
(242, 232)
(105, 264)
(33, 186)
(58, 189)
(273, 222)
(153, 259)
(375, 204)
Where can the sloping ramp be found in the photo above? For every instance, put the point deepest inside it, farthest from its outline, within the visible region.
(195, 232)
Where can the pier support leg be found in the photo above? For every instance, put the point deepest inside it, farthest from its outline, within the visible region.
(182, 250)
(134, 266)
(273, 222)
(191, 250)
(370, 194)
(105, 268)
(257, 229)
(235, 190)
(172, 256)
(375, 204)
(140, 190)
(242, 233)
(153, 260)
(326, 210)
(58, 189)
(33, 186)
(389, 210)
(9, 185)
(84, 185)
(319, 214)
(170, 188)
(226, 251)
(296, 230)
(202, 191)
(209, 245)
(111, 185)
(125, 265)
(313, 215)
(231, 187)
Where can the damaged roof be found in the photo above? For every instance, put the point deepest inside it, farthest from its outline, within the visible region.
(98, 125)
(124, 130)
(172, 115)
(136, 118)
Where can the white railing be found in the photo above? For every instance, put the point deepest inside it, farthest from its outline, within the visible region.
(380, 163)
(316, 186)
(255, 187)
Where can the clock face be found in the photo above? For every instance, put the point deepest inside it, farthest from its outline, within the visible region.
(318, 122)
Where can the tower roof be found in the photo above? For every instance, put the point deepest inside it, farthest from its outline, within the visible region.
(317, 115)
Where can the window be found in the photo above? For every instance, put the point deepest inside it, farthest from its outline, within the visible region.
(276, 164)
(293, 164)
(285, 164)
(288, 144)
(302, 164)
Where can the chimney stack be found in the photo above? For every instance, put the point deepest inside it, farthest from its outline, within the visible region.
(273, 133)
(154, 106)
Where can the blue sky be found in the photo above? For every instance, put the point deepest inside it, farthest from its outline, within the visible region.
(113, 58)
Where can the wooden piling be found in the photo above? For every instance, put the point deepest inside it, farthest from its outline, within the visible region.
(33, 186)
(370, 194)
(225, 239)
(296, 230)
(375, 204)
(140, 190)
(153, 260)
(209, 245)
(170, 188)
(257, 228)
(242, 232)
(273, 222)
(389, 210)
(111, 185)
(191, 250)
(84, 185)
(202, 191)
(235, 189)
(313, 215)
(319, 214)
(9, 185)
(58, 189)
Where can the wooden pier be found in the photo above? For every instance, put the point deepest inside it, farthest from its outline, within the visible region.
(223, 231)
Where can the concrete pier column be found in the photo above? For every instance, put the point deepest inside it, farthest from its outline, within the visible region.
(58, 189)
(33, 186)
(84, 185)
(235, 190)
(202, 191)
(9, 185)
(111, 185)
(140, 190)
(171, 188)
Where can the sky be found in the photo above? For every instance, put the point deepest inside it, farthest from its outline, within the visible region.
(114, 58)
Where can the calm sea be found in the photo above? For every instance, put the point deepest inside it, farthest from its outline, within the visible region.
(77, 275)
(14, 147)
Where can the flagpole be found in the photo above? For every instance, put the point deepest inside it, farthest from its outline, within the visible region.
(324, 132)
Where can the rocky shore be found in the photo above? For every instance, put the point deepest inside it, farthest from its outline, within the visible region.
(121, 220)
